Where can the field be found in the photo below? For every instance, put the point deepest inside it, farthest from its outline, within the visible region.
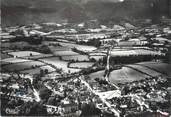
(14, 60)
(126, 75)
(98, 74)
(79, 47)
(37, 70)
(120, 76)
(137, 72)
(81, 65)
(23, 53)
(146, 70)
(96, 57)
(64, 53)
(4, 56)
(60, 64)
(76, 58)
(38, 56)
(15, 44)
(158, 66)
(22, 66)
(58, 48)
(133, 52)
(97, 54)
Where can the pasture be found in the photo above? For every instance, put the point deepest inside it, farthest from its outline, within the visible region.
(60, 64)
(23, 53)
(75, 58)
(81, 65)
(22, 66)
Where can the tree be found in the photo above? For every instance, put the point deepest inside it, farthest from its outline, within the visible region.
(44, 93)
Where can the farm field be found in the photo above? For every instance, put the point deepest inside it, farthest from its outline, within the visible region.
(81, 65)
(3, 63)
(38, 56)
(79, 47)
(64, 53)
(58, 48)
(37, 70)
(4, 56)
(60, 64)
(23, 53)
(97, 54)
(14, 60)
(98, 74)
(22, 66)
(15, 44)
(146, 70)
(133, 52)
(158, 66)
(120, 76)
(126, 75)
(75, 58)
(96, 57)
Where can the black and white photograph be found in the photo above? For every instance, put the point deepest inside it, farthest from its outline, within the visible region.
(85, 58)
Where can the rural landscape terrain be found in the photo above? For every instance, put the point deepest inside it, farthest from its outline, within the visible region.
(100, 66)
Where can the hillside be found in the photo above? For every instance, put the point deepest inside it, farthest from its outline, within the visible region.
(16, 12)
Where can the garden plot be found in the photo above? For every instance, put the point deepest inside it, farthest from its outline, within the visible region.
(76, 58)
(23, 53)
(60, 64)
(146, 70)
(81, 65)
(14, 60)
(22, 66)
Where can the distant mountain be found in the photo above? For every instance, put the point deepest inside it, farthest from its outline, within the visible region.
(18, 12)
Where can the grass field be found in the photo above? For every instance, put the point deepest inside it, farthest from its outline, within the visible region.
(158, 66)
(96, 57)
(146, 70)
(126, 75)
(37, 70)
(60, 64)
(14, 60)
(135, 72)
(38, 56)
(4, 56)
(72, 45)
(23, 53)
(64, 53)
(76, 58)
(22, 66)
(134, 52)
(81, 65)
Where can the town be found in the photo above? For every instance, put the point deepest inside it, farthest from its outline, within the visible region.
(86, 69)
